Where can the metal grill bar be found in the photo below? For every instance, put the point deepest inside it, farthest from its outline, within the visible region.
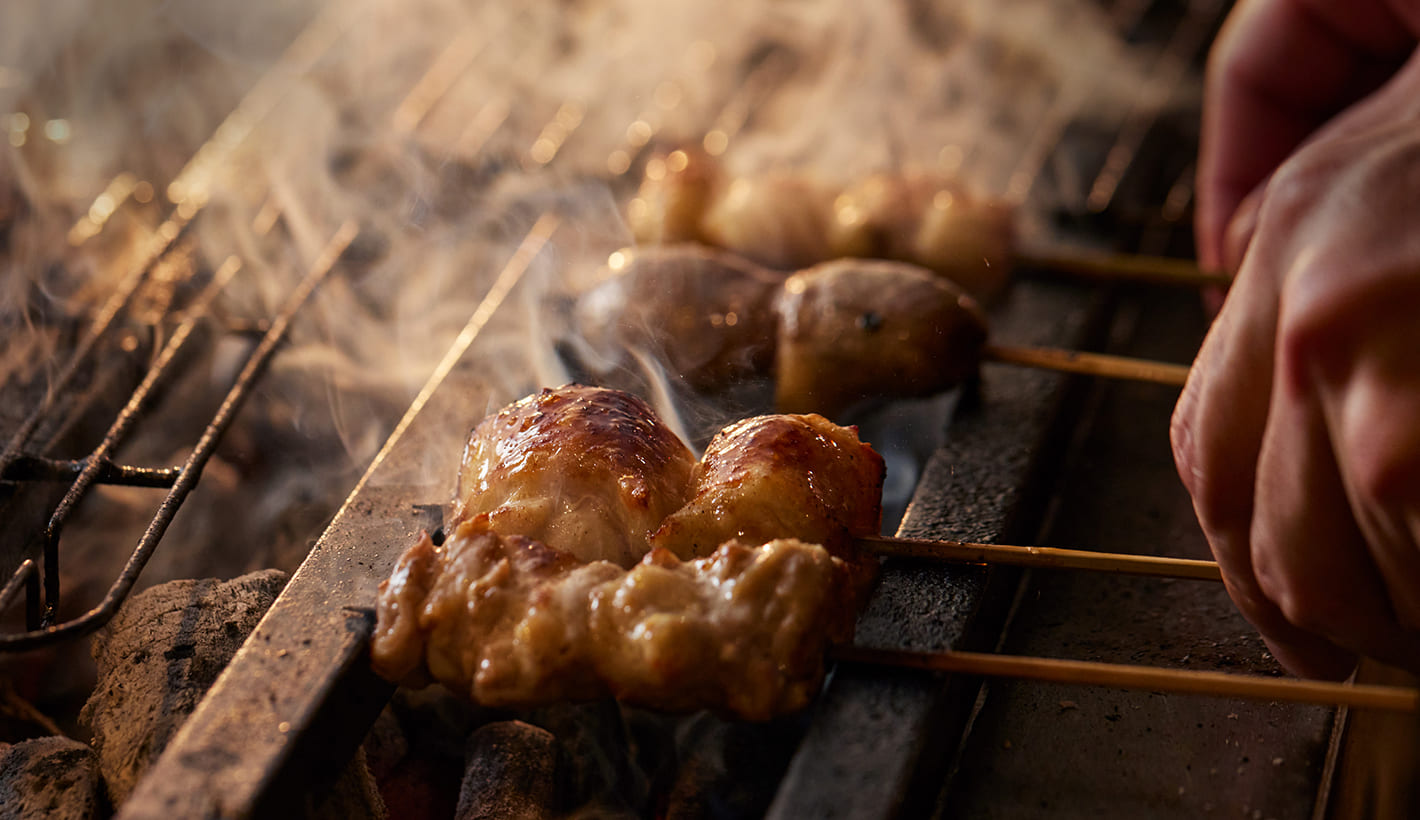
(269, 699)
(190, 191)
(159, 244)
(35, 468)
(191, 471)
(137, 403)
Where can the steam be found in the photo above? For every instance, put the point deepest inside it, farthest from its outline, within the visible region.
(444, 128)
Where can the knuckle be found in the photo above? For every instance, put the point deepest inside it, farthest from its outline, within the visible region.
(1384, 477)
(1317, 326)
(1219, 502)
(1300, 606)
(1304, 605)
(1293, 189)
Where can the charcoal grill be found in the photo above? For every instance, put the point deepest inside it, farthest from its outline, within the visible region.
(1032, 458)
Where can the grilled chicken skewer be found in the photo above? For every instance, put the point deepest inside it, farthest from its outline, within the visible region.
(831, 335)
(590, 471)
(703, 619)
(727, 605)
(791, 221)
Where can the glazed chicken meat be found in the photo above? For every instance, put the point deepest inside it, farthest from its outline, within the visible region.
(768, 476)
(508, 621)
(793, 220)
(828, 336)
(708, 315)
(750, 574)
(587, 470)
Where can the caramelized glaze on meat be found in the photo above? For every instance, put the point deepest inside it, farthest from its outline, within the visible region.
(855, 328)
(585, 469)
(708, 315)
(779, 476)
(512, 622)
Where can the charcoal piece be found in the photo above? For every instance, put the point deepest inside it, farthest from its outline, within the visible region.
(511, 774)
(729, 769)
(156, 660)
(415, 751)
(52, 777)
(353, 796)
(598, 771)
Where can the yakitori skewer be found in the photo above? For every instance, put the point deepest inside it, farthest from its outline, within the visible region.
(1090, 364)
(791, 220)
(1043, 557)
(1121, 267)
(1127, 676)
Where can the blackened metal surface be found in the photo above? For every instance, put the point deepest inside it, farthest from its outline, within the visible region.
(880, 739)
(1074, 751)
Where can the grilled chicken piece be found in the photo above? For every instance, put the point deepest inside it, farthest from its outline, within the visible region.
(779, 476)
(707, 315)
(585, 469)
(790, 221)
(854, 328)
(512, 622)
(930, 221)
(673, 197)
(776, 220)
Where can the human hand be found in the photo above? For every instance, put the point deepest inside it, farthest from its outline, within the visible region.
(1279, 70)
(1298, 433)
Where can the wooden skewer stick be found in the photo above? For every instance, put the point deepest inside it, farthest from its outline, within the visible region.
(1090, 364)
(1116, 267)
(1126, 676)
(1046, 557)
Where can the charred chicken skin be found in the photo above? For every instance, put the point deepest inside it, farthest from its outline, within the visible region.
(731, 610)
(830, 335)
(773, 476)
(707, 314)
(585, 469)
(855, 328)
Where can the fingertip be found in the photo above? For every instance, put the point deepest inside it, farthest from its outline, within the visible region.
(1317, 660)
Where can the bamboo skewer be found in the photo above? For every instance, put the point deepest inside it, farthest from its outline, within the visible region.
(1043, 557)
(1128, 676)
(1116, 267)
(1090, 364)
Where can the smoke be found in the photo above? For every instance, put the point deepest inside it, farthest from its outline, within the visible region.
(444, 129)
